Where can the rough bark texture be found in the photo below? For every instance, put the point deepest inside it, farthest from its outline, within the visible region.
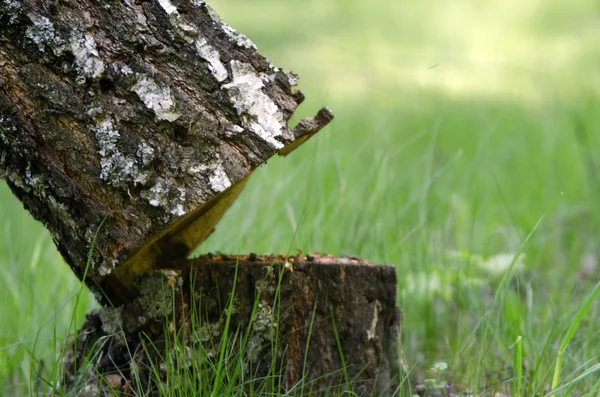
(134, 124)
(316, 314)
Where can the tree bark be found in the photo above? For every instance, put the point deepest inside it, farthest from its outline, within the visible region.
(331, 323)
(133, 126)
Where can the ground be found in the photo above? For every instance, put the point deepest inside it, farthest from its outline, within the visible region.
(465, 141)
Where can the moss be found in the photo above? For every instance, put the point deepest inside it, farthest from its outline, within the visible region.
(112, 323)
(157, 290)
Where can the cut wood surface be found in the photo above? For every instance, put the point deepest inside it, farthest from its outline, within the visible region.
(326, 320)
(135, 125)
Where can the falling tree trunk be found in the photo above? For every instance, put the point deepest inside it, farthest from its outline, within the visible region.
(128, 128)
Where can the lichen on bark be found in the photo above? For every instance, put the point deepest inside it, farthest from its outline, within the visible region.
(136, 117)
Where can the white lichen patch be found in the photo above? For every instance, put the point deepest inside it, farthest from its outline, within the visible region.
(94, 111)
(117, 168)
(107, 136)
(178, 209)
(36, 182)
(168, 6)
(237, 37)
(372, 331)
(293, 79)
(86, 55)
(12, 8)
(207, 52)
(236, 129)
(145, 153)
(268, 78)
(28, 183)
(210, 55)
(187, 31)
(258, 112)
(219, 180)
(106, 266)
(192, 35)
(217, 177)
(41, 32)
(157, 195)
(103, 270)
(264, 327)
(271, 66)
(207, 331)
(126, 70)
(232, 130)
(163, 195)
(157, 98)
(7, 127)
(197, 168)
(264, 321)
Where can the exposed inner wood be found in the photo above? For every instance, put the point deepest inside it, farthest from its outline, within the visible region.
(180, 239)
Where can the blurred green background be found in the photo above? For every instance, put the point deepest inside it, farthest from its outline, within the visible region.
(459, 124)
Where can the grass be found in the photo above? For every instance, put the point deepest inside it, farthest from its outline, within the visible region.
(465, 133)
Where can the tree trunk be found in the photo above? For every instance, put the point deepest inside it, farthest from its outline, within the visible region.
(134, 125)
(330, 323)
(128, 128)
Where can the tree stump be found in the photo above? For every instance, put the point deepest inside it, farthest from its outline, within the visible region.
(128, 128)
(312, 325)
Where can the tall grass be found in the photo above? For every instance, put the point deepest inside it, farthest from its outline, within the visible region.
(457, 125)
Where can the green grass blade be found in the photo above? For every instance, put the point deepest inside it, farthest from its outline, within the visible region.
(578, 318)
